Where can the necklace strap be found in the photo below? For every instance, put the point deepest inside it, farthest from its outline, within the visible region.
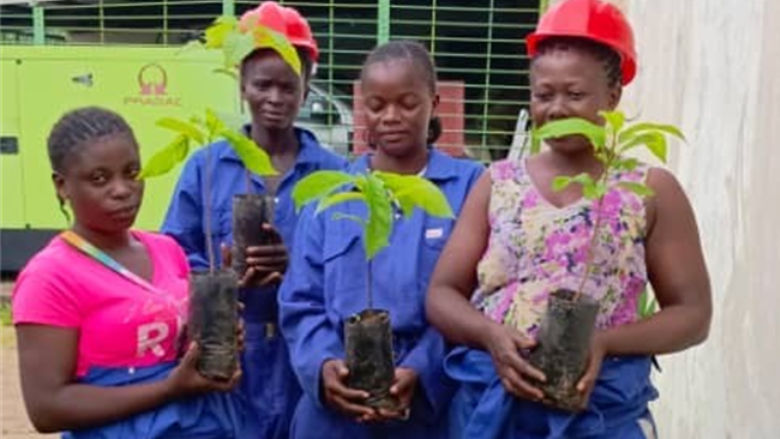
(104, 259)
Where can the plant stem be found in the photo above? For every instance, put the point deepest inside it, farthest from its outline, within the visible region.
(368, 286)
(611, 155)
(589, 251)
(207, 205)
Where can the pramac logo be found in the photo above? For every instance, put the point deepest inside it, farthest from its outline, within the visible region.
(153, 88)
(152, 79)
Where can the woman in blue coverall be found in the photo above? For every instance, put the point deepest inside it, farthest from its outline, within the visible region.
(326, 282)
(274, 94)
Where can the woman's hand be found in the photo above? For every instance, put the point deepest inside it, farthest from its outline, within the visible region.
(504, 345)
(240, 330)
(185, 379)
(246, 279)
(337, 395)
(403, 388)
(266, 264)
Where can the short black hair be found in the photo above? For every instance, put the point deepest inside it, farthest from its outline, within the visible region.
(307, 64)
(418, 56)
(602, 53)
(78, 127)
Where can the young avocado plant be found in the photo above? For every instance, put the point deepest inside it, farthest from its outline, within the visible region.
(237, 39)
(567, 327)
(213, 318)
(236, 42)
(213, 296)
(368, 334)
(201, 132)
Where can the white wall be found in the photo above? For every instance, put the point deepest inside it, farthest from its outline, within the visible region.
(713, 68)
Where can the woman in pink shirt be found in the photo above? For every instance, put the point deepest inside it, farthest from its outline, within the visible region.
(99, 311)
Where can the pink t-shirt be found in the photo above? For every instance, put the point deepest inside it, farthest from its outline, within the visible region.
(120, 323)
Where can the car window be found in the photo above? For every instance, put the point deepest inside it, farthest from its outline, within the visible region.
(317, 108)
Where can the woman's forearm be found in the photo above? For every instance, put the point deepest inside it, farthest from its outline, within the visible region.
(456, 318)
(76, 406)
(674, 328)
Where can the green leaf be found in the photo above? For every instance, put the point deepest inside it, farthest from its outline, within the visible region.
(217, 33)
(628, 164)
(319, 184)
(658, 148)
(361, 182)
(653, 140)
(165, 159)
(590, 191)
(267, 38)
(536, 145)
(197, 120)
(615, 119)
(641, 304)
(236, 47)
(214, 124)
(637, 188)
(380, 216)
(561, 182)
(646, 304)
(635, 129)
(182, 127)
(231, 121)
(252, 156)
(395, 184)
(651, 308)
(339, 197)
(583, 178)
(427, 197)
(601, 189)
(573, 126)
(414, 191)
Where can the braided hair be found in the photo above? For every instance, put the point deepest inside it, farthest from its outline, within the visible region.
(77, 128)
(602, 53)
(419, 57)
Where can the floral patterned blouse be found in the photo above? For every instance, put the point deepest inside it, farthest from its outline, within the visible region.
(536, 248)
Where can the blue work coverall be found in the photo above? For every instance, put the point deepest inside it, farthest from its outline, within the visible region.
(268, 383)
(326, 283)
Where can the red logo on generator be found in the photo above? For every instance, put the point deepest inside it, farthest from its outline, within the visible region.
(153, 88)
(152, 80)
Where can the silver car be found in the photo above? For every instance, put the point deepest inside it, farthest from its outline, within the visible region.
(329, 119)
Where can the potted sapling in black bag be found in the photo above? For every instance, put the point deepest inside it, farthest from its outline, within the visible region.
(567, 327)
(368, 337)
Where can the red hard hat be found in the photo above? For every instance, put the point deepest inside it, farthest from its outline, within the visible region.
(592, 19)
(299, 32)
(285, 20)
